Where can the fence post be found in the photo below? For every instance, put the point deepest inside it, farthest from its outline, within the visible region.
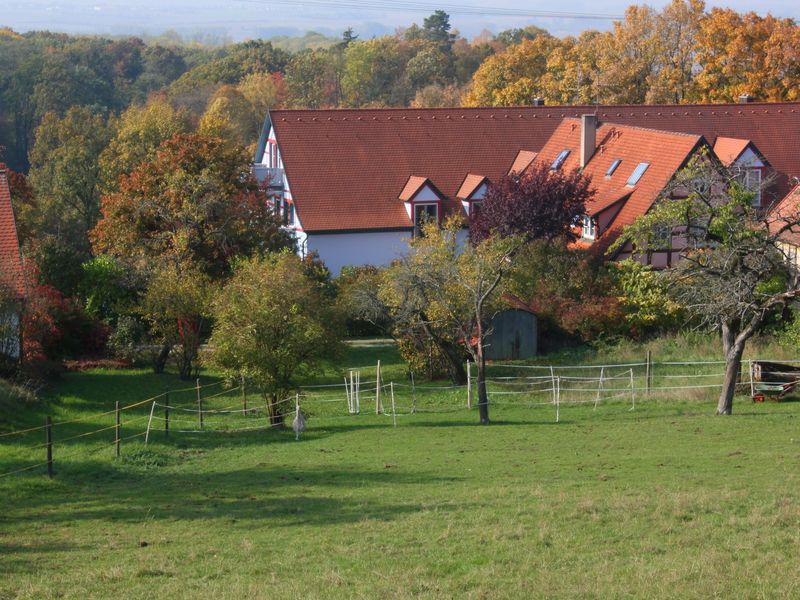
(244, 397)
(557, 389)
(199, 403)
(633, 392)
(469, 385)
(149, 422)
(49, 433)
(752, 383)
(647, 374)
(347, 396)
(378, 390)
(553, 383)
(413, 395)
(166, 414)
(394, 410)
(116, 428)
(599, 387)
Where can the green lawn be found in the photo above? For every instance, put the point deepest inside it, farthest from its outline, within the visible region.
(662, 501)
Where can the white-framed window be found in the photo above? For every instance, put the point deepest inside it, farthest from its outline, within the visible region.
(751, 180)
(637, 173)
(424, 213)
(589, 228)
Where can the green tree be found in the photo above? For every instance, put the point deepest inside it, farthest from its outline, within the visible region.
(272, 323)
(732, 274)
(65, 174)
(451, 294)
(138, 134)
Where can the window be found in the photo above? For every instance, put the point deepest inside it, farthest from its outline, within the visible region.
(562, 156)
(474, 209)
(589, 228)
(288, 213)
(613, 167)
(424, 213)
(662, 236)
(751, 180)
(637, 173)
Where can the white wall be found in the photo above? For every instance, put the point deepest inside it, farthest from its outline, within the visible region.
(370, 248)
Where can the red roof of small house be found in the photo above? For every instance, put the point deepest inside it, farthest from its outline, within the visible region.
(522, 162)
(788, 206)
(471, 183)
(665, 152)
(347, 166)
(11, 273)
(412, 187)
(728, 150)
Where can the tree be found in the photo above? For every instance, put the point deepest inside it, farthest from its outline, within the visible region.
(733, 273)
(450, 292)
(65, 174)
(539, 204)
(195, 204)
(138, 134)
(176, 302)
(272, 323)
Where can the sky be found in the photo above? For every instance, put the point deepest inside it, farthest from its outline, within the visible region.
(247, 19)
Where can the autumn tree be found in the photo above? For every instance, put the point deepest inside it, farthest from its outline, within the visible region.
(450, 292)
(272, 323)
(733, 273)
(138, 133)
(537, 204)
(66, 176)
(193, 203)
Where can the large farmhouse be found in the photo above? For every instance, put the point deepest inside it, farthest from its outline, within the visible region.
(354, 184)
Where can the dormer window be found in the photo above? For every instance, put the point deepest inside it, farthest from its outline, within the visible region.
(637, 173)
(424, 213)
(589, 230)
(750, 178)
(613, 167)
(562, 156)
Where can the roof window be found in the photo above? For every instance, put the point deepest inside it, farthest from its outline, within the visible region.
(613, 167)
(637, 173)
(562, 156)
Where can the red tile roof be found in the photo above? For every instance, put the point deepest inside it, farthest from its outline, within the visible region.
(789, 206)
(729, 149)
(665, 152)
(471, 183)
(522, 162)
(412, 187)
(11, 274)
(352, 164)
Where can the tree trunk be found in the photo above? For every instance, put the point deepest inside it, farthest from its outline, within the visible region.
(275, 417)
(733, 363)
(483, 398)
(455, 363)
(161, 360)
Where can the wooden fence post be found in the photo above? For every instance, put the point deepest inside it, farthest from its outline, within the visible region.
(116, 429)
(394, 410)
(647, 374)
(49, 433)
(244, 397)
(166, 414)
(199, 403)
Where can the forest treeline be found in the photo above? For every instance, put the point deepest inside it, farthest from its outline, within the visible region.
(683, 53)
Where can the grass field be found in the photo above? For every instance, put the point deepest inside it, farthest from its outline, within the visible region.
(662, 501)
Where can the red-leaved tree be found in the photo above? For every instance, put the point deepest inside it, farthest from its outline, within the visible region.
(537, 204)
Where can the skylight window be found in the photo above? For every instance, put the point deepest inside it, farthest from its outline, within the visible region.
(637, 173)
(613, 167)
(562, 156)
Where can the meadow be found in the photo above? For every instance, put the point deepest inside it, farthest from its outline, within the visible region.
(664, 500)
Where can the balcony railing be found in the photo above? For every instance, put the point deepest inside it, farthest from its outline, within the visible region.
(268, 177)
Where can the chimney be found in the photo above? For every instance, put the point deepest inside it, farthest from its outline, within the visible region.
(588, 138)
(746, 99)
(538, 101)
